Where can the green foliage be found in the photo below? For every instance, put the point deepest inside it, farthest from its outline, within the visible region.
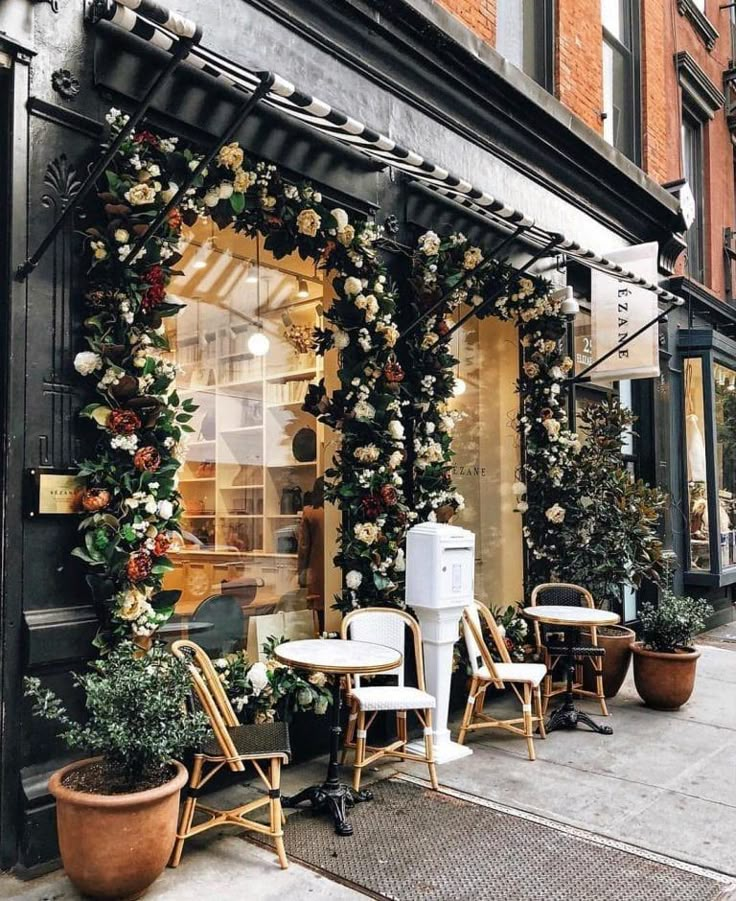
(673, 623)
(136, 712)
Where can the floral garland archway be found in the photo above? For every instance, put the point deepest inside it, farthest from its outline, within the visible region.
(130, 490)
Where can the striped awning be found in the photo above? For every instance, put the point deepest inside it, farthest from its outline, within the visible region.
(158, 26)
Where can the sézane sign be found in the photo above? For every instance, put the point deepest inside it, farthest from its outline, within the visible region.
(619, 309)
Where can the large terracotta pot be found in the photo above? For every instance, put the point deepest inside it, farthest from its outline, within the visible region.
(664, 681)
(616, 640)
(115, 846)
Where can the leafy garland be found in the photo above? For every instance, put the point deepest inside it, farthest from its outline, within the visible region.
(130, 480)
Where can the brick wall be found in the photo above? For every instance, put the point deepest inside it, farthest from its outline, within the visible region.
(578, 60)
(478, 15)
(653, 77)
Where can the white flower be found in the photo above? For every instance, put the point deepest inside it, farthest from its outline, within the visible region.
(141, 194)
(364, 411)
(258, 677)
(226, 190)
(555, 514)
(396, 429)
(212, 197)
(395, 460)
(472, 258)
(346, 235)
(367, 532)
(122, 236)
(429, 243)
(165, 509)
(400, 562)
(86, 362)
(522, 507)
(341, 339)
(353, 285)
(368, 454)
(308, 222)
(340, 217)
(518, 489)
(353, 579)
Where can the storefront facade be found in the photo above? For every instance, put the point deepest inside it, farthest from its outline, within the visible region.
(409, 70)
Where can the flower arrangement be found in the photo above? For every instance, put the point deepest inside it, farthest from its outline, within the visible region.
(130, 479)
(265, 692)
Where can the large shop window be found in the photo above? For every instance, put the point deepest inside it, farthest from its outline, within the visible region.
(709, 377)
(524, 35)
(253, 529)
(487, 455)
(621, 103)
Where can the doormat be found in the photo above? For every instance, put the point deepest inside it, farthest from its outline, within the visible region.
(413, 844)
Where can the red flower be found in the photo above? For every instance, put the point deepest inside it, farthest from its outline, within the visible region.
(147, 459)
(371, 506)
(442, 327)
(161, 544)
(139, 566)
(174, 219)
(389, 495)
(156, 292)
(145, 137)
(123, 422)
(509, 644)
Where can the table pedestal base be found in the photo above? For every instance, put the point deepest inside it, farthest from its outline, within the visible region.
(333, 800)
(567, 716)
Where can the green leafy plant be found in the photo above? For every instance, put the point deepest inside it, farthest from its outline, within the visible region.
(673, 623)
(137, 718)
(265, 692)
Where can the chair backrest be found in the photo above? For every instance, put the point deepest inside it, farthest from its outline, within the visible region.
(478, 652)
(553, 594)
(225, 614)
(386, 626)
(211, 696)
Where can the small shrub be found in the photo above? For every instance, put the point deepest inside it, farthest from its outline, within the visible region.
(673, 623)
(137, 717)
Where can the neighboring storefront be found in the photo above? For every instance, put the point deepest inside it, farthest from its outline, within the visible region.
(256, 526)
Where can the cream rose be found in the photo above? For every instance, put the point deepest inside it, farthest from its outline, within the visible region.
(367, 532)
(368, 454)
(86, 362)
(353, 285)
(308, 222)
(555, 514)
(340, 217)
(353, 579)
(341, 339)
(231, 156)
(363, 410)
(396, 430)
(140, 194)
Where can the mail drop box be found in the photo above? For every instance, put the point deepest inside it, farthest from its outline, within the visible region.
(440, 565)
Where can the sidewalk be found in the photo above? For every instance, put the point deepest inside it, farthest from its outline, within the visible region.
(665, 782)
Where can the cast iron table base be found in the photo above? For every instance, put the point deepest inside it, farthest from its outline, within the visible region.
(332, 796)
(567, 715)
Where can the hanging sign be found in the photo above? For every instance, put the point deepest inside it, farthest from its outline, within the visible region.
(619, 309)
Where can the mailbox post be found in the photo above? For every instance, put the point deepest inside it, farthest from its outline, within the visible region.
(440, 566)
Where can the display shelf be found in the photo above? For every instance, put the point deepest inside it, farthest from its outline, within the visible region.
(193, 480)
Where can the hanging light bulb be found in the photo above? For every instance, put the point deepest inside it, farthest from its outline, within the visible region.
(302, 288)
(459, 387)
(258, 344)
(252, 276)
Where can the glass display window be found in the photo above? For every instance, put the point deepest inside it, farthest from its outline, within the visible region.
(253, 524)
(709, 455)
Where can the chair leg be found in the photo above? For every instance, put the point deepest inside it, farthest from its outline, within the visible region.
(599, 687)
(546, 691)
(187, 812)
(359, 750)
(401, 732)
(540, 712)
(469, 708)
(276, 821)
(429, 749)
(528, 725)
(350, 734)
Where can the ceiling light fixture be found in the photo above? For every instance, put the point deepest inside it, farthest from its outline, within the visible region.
(302, 288)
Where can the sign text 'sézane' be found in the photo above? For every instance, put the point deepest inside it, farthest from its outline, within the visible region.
(624, 300)
(469, 470)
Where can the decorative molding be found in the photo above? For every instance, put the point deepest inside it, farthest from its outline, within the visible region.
(670, 251)
(705, 302)
(65, 83)
(700, 90)
(700, 22)
(60, 115)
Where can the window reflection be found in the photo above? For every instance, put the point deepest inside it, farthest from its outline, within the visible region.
(250, 483)
(696, 465)
(725, 392)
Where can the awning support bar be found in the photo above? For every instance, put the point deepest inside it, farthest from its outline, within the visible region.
(258, 94)
(474, 311)
(492, 254)
(183, 47)
(583, 377)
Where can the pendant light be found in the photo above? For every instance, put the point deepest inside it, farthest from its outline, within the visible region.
(258, 343)
(302, 288)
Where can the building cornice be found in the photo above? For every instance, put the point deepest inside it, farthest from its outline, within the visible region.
(699, 88)
(700, 22)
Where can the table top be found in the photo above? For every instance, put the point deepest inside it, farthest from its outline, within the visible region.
(571, 616)
(180, 627)
(337, 655)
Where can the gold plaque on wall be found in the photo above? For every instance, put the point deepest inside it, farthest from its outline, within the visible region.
(54, 492)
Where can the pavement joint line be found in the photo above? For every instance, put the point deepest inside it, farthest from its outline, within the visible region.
(586, 834)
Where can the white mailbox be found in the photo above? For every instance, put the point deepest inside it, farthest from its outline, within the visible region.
(440, 565)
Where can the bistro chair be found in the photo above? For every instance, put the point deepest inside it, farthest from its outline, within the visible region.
(266, 747)
(224, 615)
(387, 627)
(486, 671)
(567, 595)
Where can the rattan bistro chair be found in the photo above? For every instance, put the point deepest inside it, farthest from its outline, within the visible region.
(387, 627)
(486, 671)
(567, 595)
(265, 747)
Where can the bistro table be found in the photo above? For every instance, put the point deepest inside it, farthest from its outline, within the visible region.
(338, 657)
(571, 620)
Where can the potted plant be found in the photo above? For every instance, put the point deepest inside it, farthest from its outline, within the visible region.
(116, 811)
(664, 659)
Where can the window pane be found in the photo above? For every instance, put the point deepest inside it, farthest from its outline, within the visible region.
(696, 465)
(618, 125)
(613, 17)
(692, 165)
(521, 36)
(253, 528)
(725, 390)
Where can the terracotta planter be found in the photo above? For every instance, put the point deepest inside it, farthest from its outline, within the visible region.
(115, 846)
(664, 681)
(617, 643)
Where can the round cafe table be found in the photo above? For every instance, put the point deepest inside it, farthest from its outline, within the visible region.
(572, 620)
(338, 657)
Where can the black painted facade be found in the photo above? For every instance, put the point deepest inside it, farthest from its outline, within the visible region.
(402, 65)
